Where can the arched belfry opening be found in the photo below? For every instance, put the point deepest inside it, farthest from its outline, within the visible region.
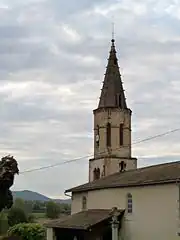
(108, 135)
(122, 166)
(96, 173)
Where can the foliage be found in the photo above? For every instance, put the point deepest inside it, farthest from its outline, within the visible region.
(30, 218)
(65, 208)
(30, 206)
(16, 215)
(19, 203)
(8, 169)
(11, 238)
(3, 223)
(52, 210)
(25, 205)
(28, 231)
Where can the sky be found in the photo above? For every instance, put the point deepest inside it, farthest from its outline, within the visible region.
(53, 56)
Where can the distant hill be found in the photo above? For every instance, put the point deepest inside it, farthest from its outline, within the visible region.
(34, 196)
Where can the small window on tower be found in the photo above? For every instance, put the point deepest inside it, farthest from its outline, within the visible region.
(97, 136)
(121, 135)
(104, 171)
(98, 174)
(120, 101)
(94, 174)
(115, 61)
(98, 129)
(122, 166)
(108, 135)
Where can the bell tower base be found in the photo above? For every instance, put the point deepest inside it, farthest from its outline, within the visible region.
(107, 165)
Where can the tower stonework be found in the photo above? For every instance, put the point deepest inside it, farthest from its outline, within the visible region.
(112, 126)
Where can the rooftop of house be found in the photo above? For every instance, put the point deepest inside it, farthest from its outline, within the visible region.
(157, 174)
(83, 220)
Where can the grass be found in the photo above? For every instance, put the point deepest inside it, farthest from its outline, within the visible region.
(39, 215)
(36, 215)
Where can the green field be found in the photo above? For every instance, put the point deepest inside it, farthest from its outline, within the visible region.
(39, 215)
(36, 215)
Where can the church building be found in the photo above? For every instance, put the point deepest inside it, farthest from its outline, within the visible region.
(120, 201)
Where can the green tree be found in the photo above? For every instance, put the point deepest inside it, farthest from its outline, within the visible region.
(31, 218)
(19, 203)
(28, 231)
(28, 206)
(16, 215)
(8, 169)
(36, 206)
(52, 210)
(3, 223)
(25, 205)
(65, 208)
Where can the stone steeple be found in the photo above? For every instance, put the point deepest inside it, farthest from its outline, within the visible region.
(112, 126)
(112, 94)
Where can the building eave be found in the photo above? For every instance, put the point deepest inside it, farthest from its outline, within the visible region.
(73, 190)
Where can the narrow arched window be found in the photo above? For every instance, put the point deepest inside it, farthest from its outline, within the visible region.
(121, 135)
(115, 61)
(97, 136)
(98, 174)
(122, 166)
(94, 174)
(84, 203)
(104, 171)
(129, 203)
(98, 129)
(108, 135)
(120, 101)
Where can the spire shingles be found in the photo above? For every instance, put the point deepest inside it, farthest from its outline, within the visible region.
(112, 93)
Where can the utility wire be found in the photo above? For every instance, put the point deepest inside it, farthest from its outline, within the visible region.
(88, 156)
(157, 136)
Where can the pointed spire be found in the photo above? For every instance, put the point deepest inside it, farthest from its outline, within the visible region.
(112, 93)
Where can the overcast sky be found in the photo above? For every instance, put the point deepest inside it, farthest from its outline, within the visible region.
(53, 55)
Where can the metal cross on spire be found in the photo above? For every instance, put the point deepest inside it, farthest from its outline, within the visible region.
(113, 30)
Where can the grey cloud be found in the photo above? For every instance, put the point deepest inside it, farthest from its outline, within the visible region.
(12, 32)
(43, 126)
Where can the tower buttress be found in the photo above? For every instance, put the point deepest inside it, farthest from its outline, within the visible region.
(112, 126)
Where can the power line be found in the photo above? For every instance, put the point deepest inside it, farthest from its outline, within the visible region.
(157, 136)
(88, 156)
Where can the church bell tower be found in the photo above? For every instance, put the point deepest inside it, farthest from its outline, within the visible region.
(112, 126)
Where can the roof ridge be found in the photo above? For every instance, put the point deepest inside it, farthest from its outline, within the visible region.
(161, 164)
(135, 170)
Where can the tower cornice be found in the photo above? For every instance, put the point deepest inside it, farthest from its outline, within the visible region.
(106, 109)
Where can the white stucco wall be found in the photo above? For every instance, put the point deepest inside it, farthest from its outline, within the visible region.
(155, 210)
(50, 234)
